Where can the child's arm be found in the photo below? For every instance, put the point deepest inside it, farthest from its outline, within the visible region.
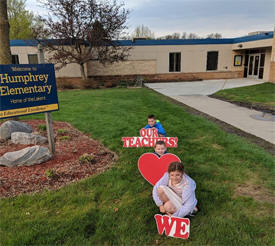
(188, 199)
(163, 181)
(161, 130)
(186, 207)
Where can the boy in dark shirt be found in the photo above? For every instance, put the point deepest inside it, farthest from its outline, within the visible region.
(160, 149)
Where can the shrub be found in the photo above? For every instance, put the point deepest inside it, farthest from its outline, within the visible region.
(122, 84)
(66, 84)
(110, 84)
(51, 174)
(64, 138)
(131, 83)
(42, 128)
(87, 158)
(61, 131)
(89, 83)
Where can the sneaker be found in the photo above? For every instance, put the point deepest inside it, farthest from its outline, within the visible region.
(193, 213)
(195, 210)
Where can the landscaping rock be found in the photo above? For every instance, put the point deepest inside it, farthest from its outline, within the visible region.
(27, 138)
(10, 126)
(26, 157)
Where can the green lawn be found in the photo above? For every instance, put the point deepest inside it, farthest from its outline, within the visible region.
(261, 95)
(85, 213)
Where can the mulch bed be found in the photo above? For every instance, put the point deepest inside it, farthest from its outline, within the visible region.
(62, 169)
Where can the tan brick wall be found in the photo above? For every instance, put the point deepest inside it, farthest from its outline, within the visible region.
(272, 72)
(122, 68)
(155, 60)
(73, 83)
(193, 57)
(23, 52)
(253, 44)
(169, 77)
(272, 61)
(267, 64)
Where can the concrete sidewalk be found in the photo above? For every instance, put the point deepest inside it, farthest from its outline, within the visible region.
(205, 87)
(239, 117)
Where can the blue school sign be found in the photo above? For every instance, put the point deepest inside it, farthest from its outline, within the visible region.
(27, 89)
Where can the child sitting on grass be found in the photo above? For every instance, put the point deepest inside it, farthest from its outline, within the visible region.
(153, 123)
(160, 148)
(174, 193)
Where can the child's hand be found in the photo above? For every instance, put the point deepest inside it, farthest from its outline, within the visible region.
(162, 209)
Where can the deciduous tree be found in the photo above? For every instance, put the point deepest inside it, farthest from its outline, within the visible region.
(143, 32)
(5, 53)
(214, 35)
(193, 36)
(20, 19)
(177, 35)
(83, 30)
(184, 35)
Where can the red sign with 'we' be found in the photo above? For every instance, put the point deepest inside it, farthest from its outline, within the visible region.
(173, 226)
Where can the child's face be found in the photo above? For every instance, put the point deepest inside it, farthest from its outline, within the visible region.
(175, 177)
(151, 122)
(160, 149)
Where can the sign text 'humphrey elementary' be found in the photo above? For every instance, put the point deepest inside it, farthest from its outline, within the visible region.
(6, 80)
(27, 89)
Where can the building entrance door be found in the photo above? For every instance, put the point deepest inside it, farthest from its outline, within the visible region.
(253, 66)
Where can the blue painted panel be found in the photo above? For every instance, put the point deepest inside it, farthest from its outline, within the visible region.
(28, 87)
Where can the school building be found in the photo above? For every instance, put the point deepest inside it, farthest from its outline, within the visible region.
(251, 56)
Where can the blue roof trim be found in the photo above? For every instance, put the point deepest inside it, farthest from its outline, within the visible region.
(175, 42)
(262, 36)
(23, 43)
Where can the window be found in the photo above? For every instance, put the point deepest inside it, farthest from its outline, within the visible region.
(33, 59)
(212, 60)
(174, 62)
(14, 59)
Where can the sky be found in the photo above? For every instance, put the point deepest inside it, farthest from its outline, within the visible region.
(231, 18)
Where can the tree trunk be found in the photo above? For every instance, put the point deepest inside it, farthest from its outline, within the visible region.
(5, 52)
(83, 75)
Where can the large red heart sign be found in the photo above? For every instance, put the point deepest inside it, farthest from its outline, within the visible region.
(152, 167)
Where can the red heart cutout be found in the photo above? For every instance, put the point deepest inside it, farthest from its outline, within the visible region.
(152, 167)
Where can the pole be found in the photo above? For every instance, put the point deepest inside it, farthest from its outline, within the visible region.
(49, 125)
(48, 115)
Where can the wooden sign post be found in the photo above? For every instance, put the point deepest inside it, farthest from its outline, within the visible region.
(48, 116)
(49, 125)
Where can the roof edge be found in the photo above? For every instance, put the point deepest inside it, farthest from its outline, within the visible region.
(147, 42)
